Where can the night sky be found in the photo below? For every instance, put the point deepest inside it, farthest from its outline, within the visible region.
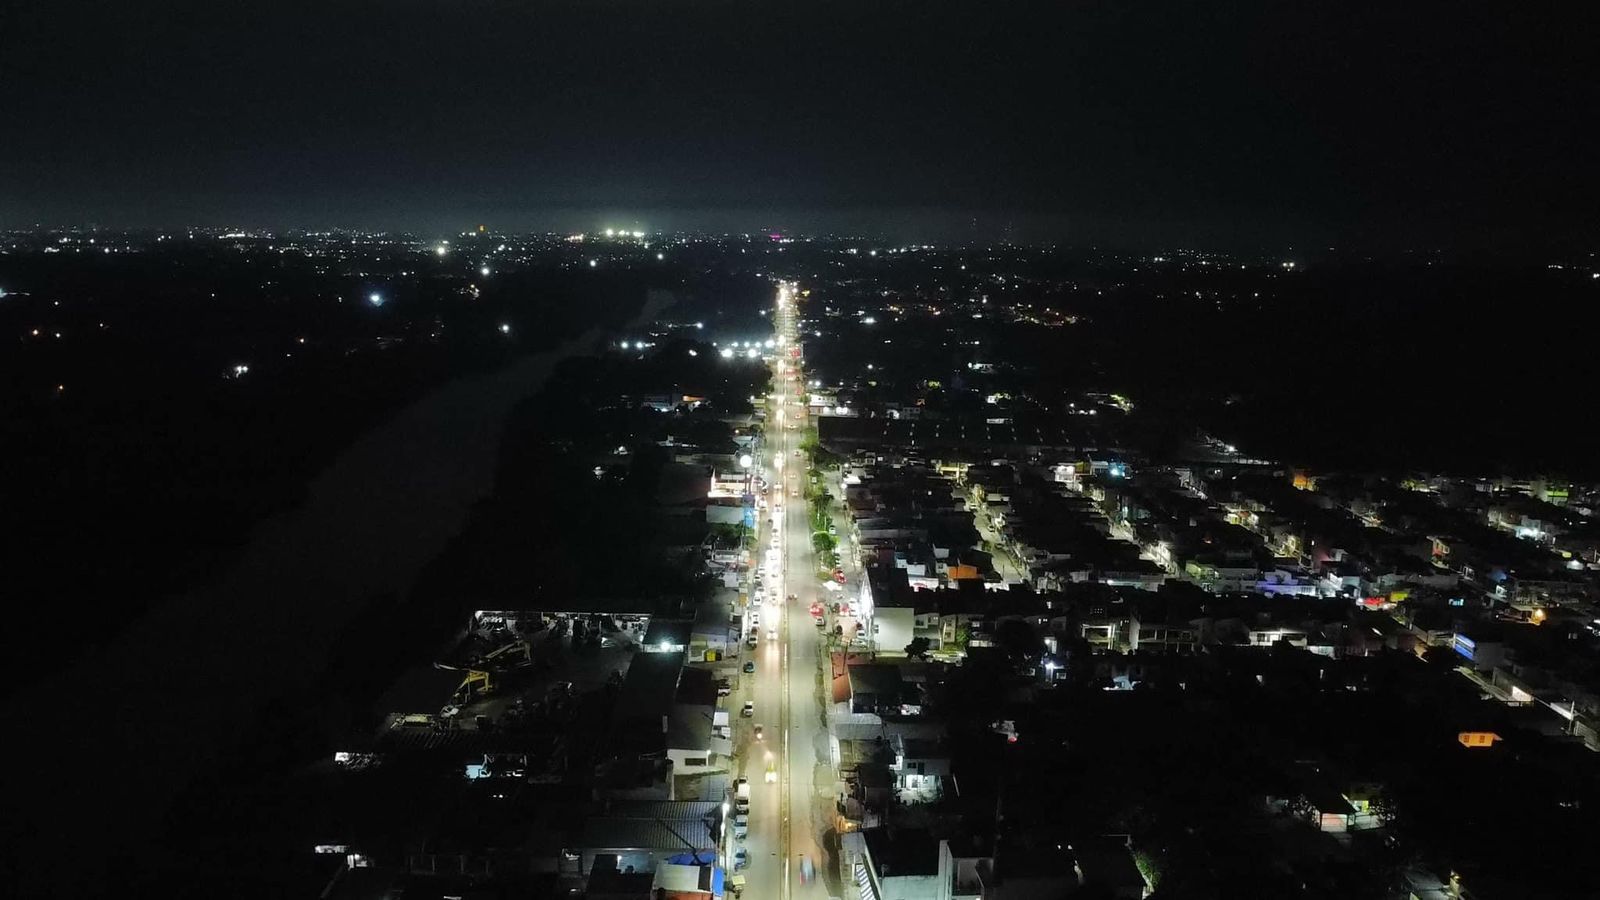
(1272, 124)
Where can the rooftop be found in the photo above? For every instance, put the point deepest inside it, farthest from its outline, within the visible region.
(650, 687)
(668, 632)
(902, 852)
(876, 678)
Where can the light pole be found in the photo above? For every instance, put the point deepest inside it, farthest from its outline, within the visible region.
(747, 462)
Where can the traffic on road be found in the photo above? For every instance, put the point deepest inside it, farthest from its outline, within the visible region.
(777, 828)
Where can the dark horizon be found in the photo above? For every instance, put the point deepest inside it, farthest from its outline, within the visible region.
(1436, 128)
(942, 230)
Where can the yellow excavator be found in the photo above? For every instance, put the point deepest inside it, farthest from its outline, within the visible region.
(480, 680)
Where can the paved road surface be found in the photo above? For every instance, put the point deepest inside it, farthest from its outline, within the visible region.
(788, 819)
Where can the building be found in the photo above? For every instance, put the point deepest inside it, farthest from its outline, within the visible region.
(632, 837)
(876, 688)
(902, 864)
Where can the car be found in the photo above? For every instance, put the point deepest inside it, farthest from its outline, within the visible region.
(751, 642)
(772, 773)
(794, 492)
(772, 634)
(724, 688)
(760, 735)
(741, 826)
(748, 711)
(808, 872)
(741, 859)
(750, 667)
(741, 805)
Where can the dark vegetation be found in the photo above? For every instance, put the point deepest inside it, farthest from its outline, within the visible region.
(148, 466)
(551, 529)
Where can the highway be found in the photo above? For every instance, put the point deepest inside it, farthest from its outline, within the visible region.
(788, 818)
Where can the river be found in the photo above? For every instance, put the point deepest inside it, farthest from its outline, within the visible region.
(102, 748)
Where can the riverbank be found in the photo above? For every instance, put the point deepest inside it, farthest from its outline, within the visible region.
(132, 726)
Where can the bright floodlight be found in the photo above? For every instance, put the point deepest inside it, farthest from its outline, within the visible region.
(624, 345)
(441, 250)
(660, 256)
(727, 353)
(638, 234)
(484, 271)
(611, 232)
(769, 343)
(375, 298)
(593, 263)
(694, 352)
(505, 328)
(746, 461)
(750, 354)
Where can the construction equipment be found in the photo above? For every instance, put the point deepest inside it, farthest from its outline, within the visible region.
(481, 673)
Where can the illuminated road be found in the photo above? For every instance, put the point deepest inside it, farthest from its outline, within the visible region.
(788, 818)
